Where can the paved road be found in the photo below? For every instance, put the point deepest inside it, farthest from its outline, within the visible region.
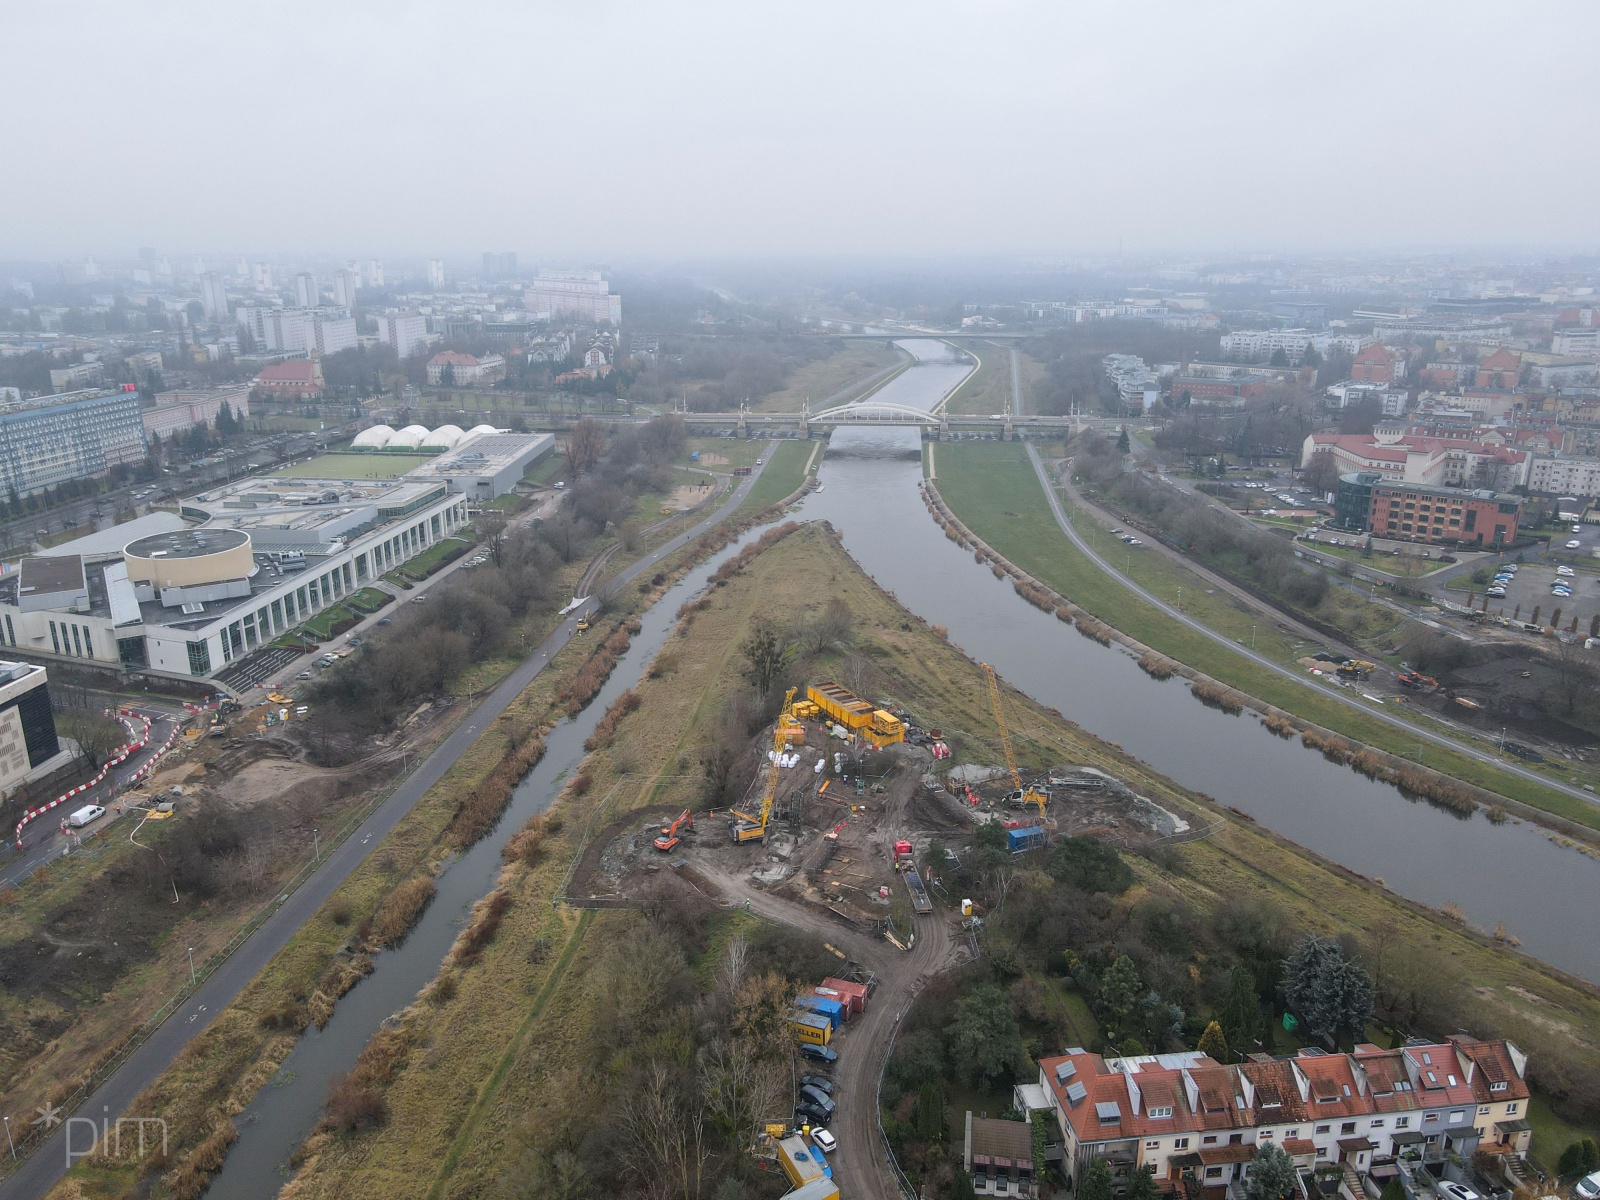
(39, 1173)
(42, 839)
(1410, 730)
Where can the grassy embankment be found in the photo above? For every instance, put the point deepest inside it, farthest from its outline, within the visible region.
(791, 462)
(220, 1071)
(480, 1066)
(816, 381)
(988, 389)
(992, 488)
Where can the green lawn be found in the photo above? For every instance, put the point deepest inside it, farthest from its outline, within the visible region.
(988, 389)
(419, 566)
(992, 488)
(785, 473)
(354, 466)
(740, 452)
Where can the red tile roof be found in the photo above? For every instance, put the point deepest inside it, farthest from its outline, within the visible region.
(295, 370)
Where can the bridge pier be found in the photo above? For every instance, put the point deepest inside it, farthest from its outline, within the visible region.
(944, 430)
(1008, 433)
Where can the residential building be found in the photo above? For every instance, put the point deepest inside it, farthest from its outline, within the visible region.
(1378, 364)
(1136, 384)
(406, 332)
(436, 274)
(345, 283)
(582, 295)
(294, 379)
(79, 375)
(306, 292)
(499, 266)
(1412, 456)
(1579, 341)
(1565, 476)
(1501, 371)
(999, 1156)
(28, 742)
(214, 296)
(463, 370)
(298, 330)
(177, 411)
(261, 277)
(1259, 345)
(1193, 387)
(76, 435)
(1198, 1124)
(142, 362)
(594, 356)
(374, 274)
(1366, 502)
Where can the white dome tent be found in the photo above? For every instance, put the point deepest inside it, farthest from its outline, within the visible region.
(375, 438)
(409, 438)
(446, 437)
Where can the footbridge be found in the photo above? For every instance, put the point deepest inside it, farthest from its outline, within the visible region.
(873, 413)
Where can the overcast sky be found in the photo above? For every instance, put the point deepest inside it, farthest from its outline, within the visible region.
(760, 127)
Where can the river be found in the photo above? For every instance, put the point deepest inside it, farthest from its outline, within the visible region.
(1511, 873)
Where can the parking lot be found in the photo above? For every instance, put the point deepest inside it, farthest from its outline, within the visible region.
(1530, 589)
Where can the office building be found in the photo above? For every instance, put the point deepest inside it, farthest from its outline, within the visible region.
(1413, 512)
(579, 295)
(178, 411)
(214, 296)
(406, 332)
(77, 435)
(485, 462)
(28, 742)
(188, 599)
(77, 376)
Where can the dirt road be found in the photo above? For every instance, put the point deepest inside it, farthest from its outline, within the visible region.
(861, 1163)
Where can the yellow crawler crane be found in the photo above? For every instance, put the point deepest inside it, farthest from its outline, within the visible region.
(1024, 795)
(744, 827)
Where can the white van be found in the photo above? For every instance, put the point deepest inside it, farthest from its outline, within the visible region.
(86, 814)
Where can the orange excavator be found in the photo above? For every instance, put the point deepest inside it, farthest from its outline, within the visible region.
(670, 834)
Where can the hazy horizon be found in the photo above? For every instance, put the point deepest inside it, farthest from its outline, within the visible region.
(628, 131)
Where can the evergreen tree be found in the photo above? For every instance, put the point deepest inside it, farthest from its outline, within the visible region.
(1329, 994)
(1213, 1043)
(1123, 445)
(1240, 1015)
(1141, 1184)
(1581, 1157)
(1120, 988)
(985, 1043)
(1271, 1175)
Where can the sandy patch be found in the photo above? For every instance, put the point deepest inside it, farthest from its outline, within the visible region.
(686, 496)
(268, 777)
(708, 459)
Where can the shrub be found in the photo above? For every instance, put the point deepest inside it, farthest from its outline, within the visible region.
(400, 910)
(353, 1106)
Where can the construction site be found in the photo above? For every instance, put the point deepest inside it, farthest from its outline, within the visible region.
(846, 802)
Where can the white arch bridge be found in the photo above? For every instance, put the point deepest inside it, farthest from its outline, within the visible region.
(937, 425)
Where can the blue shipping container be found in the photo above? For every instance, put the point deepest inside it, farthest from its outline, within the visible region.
(823, 1007)
(1020, 840)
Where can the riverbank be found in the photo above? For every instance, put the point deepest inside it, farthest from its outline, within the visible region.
(474, 1084)
(992, 488)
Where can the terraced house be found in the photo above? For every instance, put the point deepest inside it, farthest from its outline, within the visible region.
(1199, 1124)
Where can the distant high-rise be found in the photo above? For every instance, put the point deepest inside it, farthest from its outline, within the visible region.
(261, 277)
(582, 294)
(344, 288)
(306, 293)
(374, 273)
(214, 296)
(436, 273)
(500, 266)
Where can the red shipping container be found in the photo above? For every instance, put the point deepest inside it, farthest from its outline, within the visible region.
(852, 995)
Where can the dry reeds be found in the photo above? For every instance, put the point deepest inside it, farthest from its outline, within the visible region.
(399, 912)
(1153, 665)
(528, 843)
(475, 938)
(1095, 631)
(1497, 814)
(1210, 692)
(192, 1176)
(624, 704)
(481, 807)
(1279, 724)
(1386, 768)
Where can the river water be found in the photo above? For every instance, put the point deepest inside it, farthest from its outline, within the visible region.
(1511, 873)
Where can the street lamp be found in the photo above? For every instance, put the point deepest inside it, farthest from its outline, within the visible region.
(1252, 637)
(9, 1142)
(191, 966)
(316, 842)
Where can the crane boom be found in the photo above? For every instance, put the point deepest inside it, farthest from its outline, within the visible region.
(1028, 795)
(747, 828)
(1000, 720)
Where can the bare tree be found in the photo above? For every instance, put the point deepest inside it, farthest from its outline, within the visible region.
(666, 1129)
(492, 524)
(585, 444)
(766, 653)
(1575, 676)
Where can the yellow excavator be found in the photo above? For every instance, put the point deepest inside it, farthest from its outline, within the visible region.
(747, 828)
(1032, 794)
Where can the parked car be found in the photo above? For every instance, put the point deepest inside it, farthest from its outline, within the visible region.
(303, 675)
(1565, 570)
(810, 1095)
(1496, 593)
(1574, 544)
(1587, 1188)
(386, 621)
(822, 1084)
(1457, 1191)
(86, 814)
(822, 1054)
(824, 1141)
(810, 1114)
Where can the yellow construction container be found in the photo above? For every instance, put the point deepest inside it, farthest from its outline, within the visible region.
(799, 1163)
(812, 1027)
(855, 714)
